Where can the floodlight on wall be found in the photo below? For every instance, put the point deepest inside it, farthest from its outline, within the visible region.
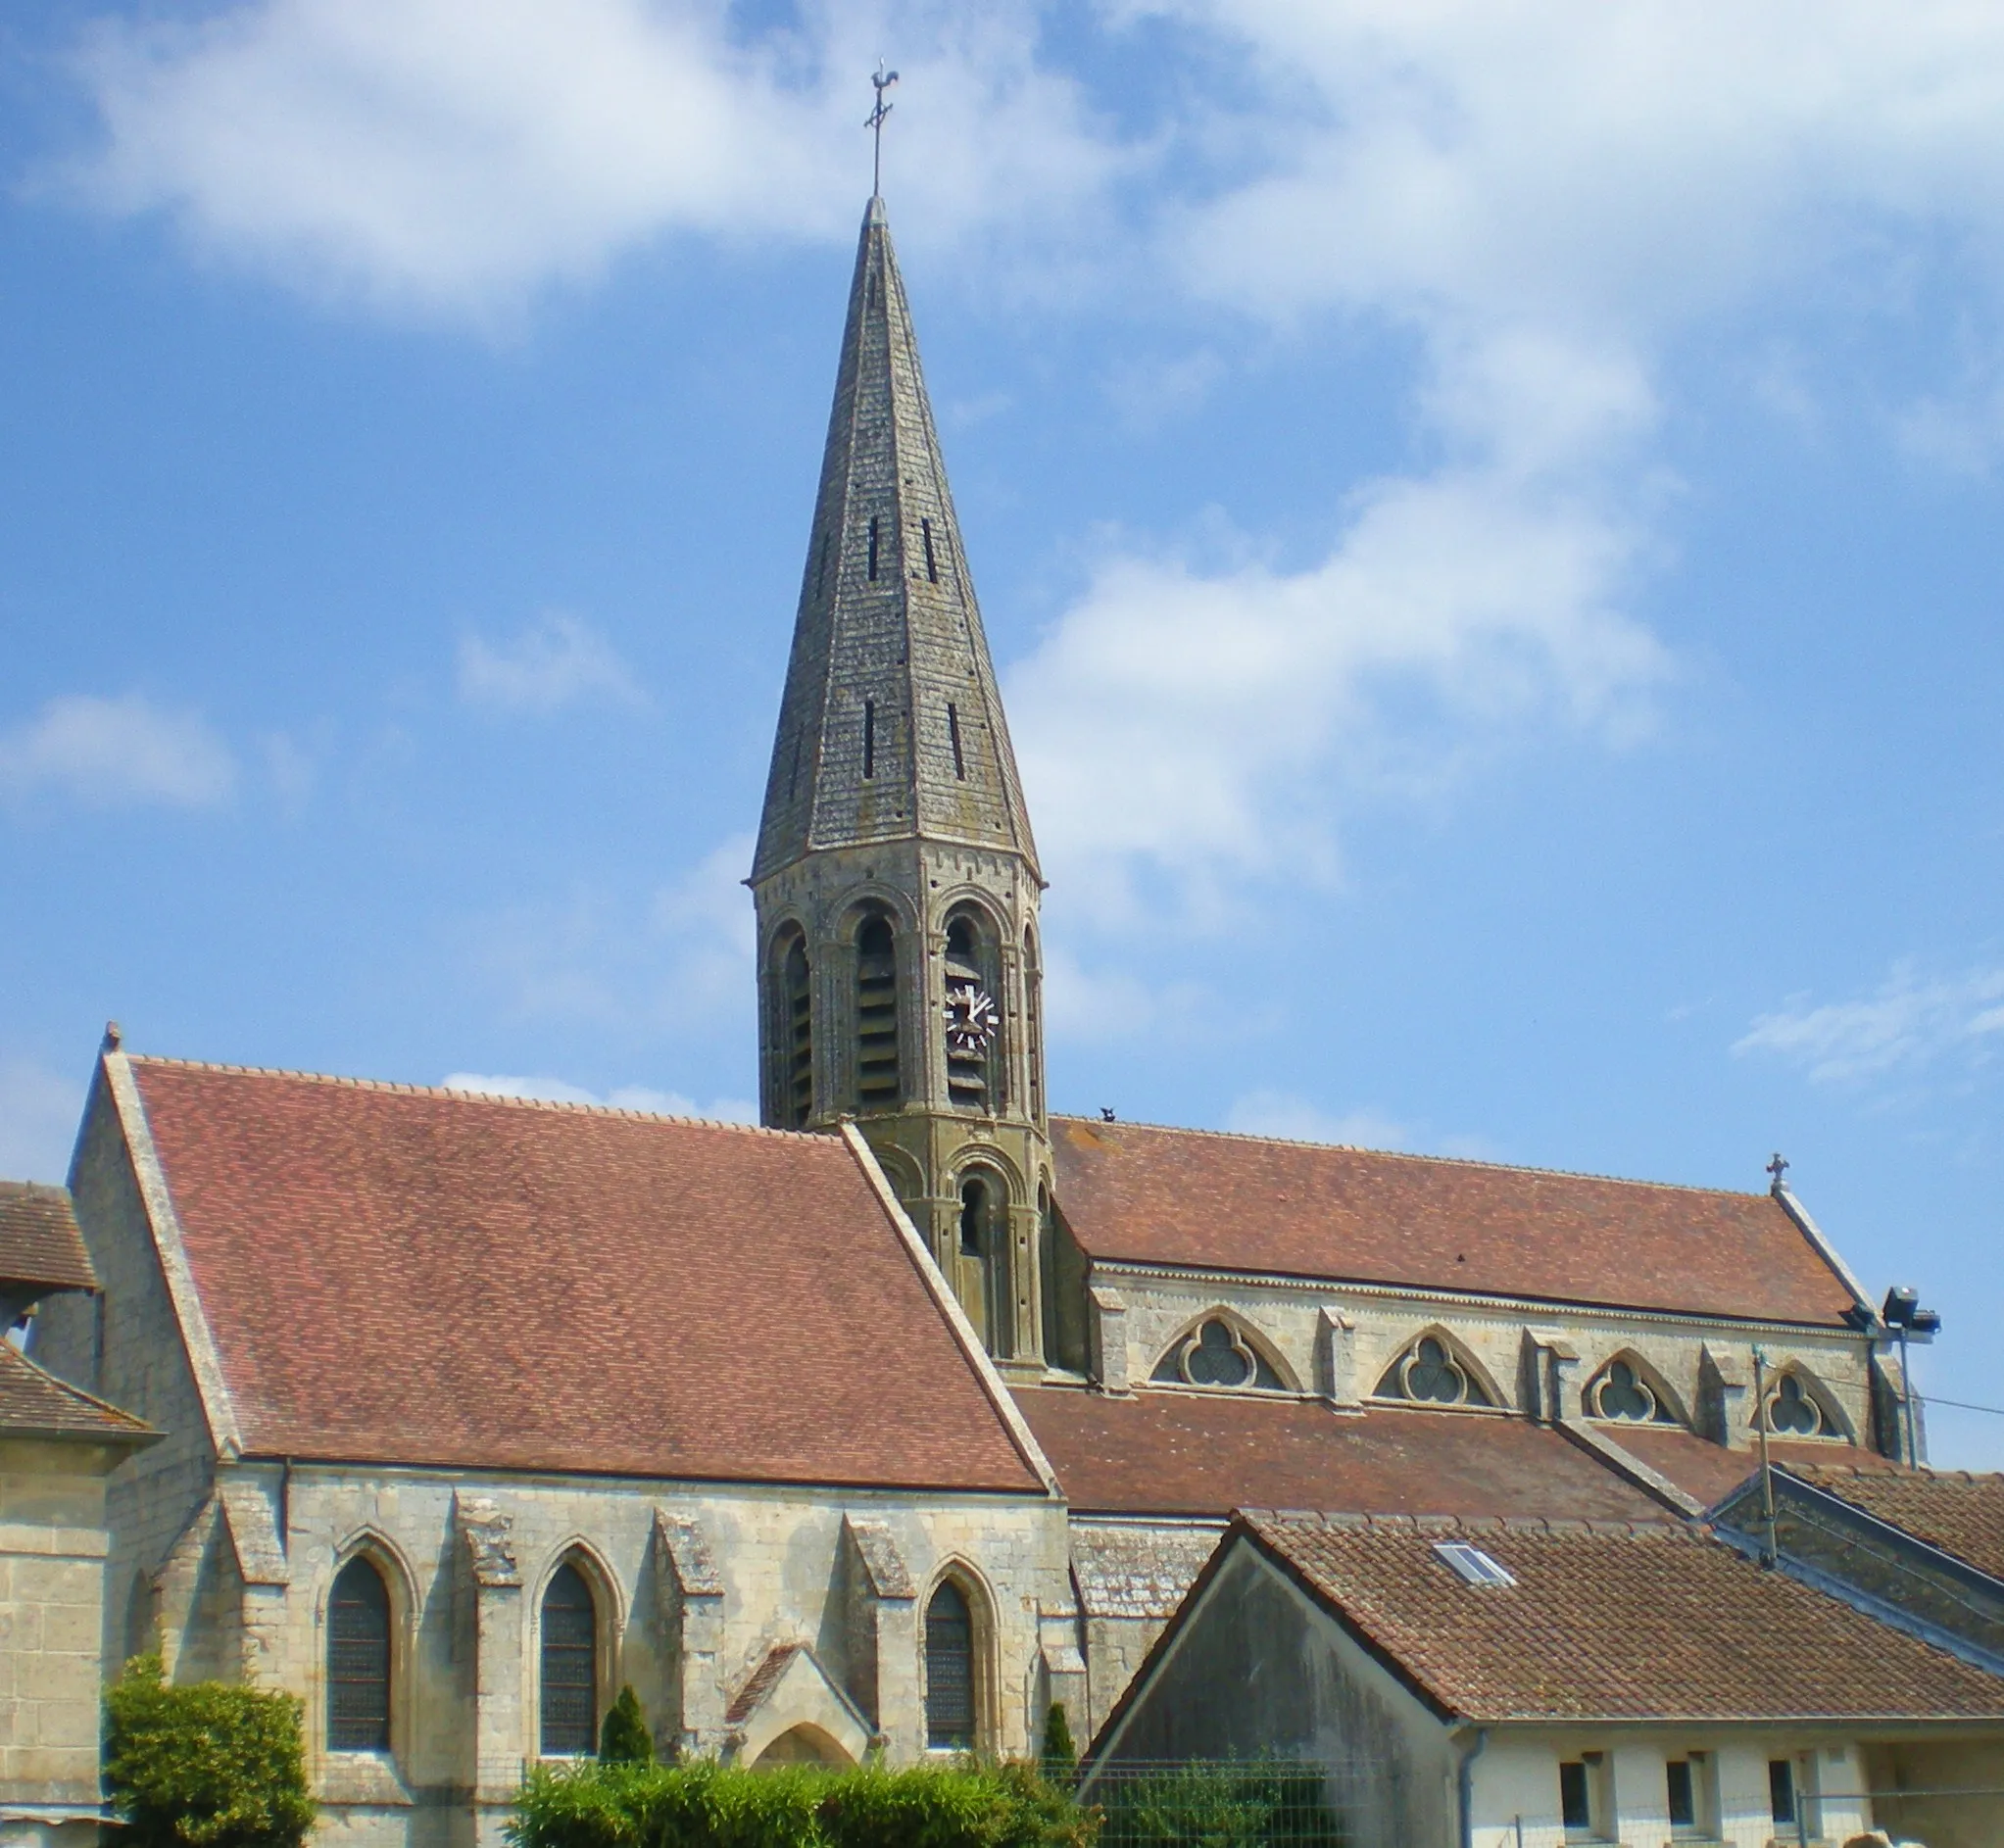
(1906, 1318)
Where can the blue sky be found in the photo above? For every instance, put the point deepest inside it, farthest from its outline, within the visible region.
(1488, 518)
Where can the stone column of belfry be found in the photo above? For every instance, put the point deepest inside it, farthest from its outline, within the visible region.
(895, 827)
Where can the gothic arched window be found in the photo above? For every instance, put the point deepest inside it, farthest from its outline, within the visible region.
(1429, 1374)
(570, 1666)
(794, 1048)
(1215, 1353)
(876, 1014)
(1793, 1412)
(1625, 1395)
(949, 1670)
(359, 1660)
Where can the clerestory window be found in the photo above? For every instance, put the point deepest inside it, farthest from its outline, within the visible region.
(1215, 1353)
(1429, 1374)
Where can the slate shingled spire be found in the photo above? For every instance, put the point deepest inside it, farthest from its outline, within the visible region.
(892, 726)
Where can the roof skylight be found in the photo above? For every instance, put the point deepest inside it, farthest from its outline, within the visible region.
(1473, 1565)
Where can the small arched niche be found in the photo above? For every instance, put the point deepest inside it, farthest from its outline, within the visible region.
(1434, 1369)
(802, 1745)
(1220, 1352)
(985, 1258)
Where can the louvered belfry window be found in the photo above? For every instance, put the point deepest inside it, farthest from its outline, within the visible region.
(571, 1664)
(949, 1670)
(359, 1661)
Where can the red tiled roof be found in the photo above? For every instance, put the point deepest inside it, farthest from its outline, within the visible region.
(430, 1277)
(1203, 1453)
(1959, 1512)
(39, 1243)
(36, 1404)
(1623, 1623)
(1710, 1472)
(1198, 1198)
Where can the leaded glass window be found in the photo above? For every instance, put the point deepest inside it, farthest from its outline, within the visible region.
(571, 1664)
(1217, 1354)
(359, 1660)
(1429, 1374)
(949, 1670)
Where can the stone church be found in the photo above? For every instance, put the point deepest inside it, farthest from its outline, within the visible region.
(888, 1422)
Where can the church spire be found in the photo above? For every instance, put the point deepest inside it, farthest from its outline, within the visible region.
(899, 979)
(892, 725)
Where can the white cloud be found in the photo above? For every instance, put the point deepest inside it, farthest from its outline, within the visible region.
(39, 1111)
(1205, 728)
(1910, 1021)
(679, 957)
(622, 1098)
(555, 662)
(117, 753)
(449, 157)
(1283, 1114)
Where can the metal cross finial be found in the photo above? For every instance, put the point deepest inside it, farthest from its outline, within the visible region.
(874, 121)
(1778, 1168)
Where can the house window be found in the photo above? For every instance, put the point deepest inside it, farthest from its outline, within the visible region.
(359, 1660)
(1793, 1794)
(1791, 1412)
(1691, 1796)
(1217, 1354)
(1585, 1805)
(570, 1666)
(1429, 1374)
(949, 1670)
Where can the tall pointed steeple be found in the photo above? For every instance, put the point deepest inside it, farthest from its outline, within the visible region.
(892, 725)
(896, 876)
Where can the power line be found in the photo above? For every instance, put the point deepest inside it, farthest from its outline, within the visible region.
(1960, 1405)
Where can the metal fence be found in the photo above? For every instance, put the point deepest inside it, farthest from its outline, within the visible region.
(1247, 1804)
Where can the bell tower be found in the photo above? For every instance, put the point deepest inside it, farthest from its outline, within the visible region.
(896, 880)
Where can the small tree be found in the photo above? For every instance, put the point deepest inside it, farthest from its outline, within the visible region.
(204, 1765)
(625, 1738)
(1059, 1758)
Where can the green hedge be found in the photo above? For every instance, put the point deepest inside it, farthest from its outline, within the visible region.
(204, 1765)
(705, 1804)
(1262, 1803)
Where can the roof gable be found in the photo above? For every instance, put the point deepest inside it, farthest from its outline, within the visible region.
(429, 1277)
(40, 1245)
(1207, 1200)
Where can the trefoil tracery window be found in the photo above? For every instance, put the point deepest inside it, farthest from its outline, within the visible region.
(1429, 1374)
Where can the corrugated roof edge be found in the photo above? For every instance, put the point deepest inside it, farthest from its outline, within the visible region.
(456, 1095)
(1407, 1155)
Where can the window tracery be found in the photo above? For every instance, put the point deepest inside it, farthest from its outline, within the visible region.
(1429, 1373)
(1622, 1393)
(1217, 1353)
(1793, 1412)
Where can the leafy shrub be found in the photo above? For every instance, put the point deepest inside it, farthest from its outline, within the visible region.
(625, 1738)
(1059, 1758)
(706, 1805)
(1217, 1806)
(204, 1765)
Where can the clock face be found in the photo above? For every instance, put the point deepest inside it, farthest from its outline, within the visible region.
(972, 1018)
